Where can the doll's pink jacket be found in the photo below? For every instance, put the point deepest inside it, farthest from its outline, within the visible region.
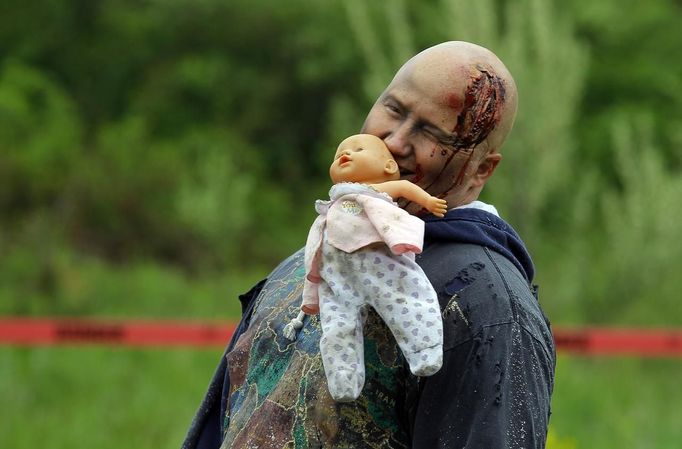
(357, 216)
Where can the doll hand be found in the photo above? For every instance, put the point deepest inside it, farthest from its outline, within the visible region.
(437, 206)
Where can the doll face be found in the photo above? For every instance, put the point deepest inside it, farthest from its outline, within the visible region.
(363, 158)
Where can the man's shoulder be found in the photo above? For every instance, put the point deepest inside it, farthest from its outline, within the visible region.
(291, 269)
(479, 288)
(455, 267)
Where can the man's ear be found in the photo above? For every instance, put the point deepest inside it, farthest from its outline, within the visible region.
(391, 167)
(487, 167)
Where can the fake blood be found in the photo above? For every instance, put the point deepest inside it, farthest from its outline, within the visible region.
(418, 174)
(481, 110)
(443, 152)
(462, 171)
(455, 102)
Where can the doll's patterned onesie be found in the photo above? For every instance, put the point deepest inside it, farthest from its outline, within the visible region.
(360, 252)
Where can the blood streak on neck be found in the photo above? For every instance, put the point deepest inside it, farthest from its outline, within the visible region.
(418, 174)
(462, 171)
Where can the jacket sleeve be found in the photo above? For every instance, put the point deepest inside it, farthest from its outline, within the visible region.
(205, 432)
(493, 391)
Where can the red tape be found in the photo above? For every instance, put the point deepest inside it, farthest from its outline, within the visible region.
(149, 333)
(620, 341)
(45, 331)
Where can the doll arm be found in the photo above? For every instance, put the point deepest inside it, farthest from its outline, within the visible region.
(405, 189)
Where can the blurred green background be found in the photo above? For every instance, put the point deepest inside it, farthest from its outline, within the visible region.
(157, 158)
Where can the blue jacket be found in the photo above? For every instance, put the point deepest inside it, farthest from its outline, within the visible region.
(495, 386)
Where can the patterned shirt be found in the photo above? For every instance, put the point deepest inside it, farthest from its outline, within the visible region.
(278, 395)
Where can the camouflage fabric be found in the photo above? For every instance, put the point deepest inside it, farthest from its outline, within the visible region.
(279, 396)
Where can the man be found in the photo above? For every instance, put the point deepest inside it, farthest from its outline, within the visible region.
(444, 118)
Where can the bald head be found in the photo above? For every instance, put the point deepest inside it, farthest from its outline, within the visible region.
(474, 83)
(445, 116)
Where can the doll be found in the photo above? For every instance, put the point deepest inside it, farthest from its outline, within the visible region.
(360, 251)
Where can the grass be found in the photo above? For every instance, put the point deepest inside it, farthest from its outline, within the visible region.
(66, 397)
(100, 397)
(618, 403)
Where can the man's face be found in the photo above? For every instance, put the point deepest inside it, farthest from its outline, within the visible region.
(433, 124)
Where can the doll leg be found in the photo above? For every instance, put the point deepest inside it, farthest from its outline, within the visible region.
(341, 345)
(408, 304)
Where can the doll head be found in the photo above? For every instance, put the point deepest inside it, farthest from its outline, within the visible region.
(363, 158)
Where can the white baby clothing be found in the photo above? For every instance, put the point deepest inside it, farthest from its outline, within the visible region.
(380, 273)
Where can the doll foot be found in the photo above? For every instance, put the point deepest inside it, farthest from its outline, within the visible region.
(345, 385)
(427, 361)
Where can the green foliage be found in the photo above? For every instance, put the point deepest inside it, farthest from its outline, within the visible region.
(122, 193)
(617, 263)
(39, 279)
(640, 226)
(150, 104)
(196, 135)
(39, 138)
(635, 71)
(382, 52)
(157, 158)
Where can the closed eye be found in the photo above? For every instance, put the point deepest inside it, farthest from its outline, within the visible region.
(393, 108)
(430, 134)
(438, 136)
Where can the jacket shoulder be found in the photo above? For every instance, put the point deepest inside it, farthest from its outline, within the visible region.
(479, 288)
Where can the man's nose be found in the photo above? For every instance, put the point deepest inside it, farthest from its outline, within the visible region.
(398, 141)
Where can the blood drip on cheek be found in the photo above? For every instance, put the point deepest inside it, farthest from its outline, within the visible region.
(443, 152)
(418, 174)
